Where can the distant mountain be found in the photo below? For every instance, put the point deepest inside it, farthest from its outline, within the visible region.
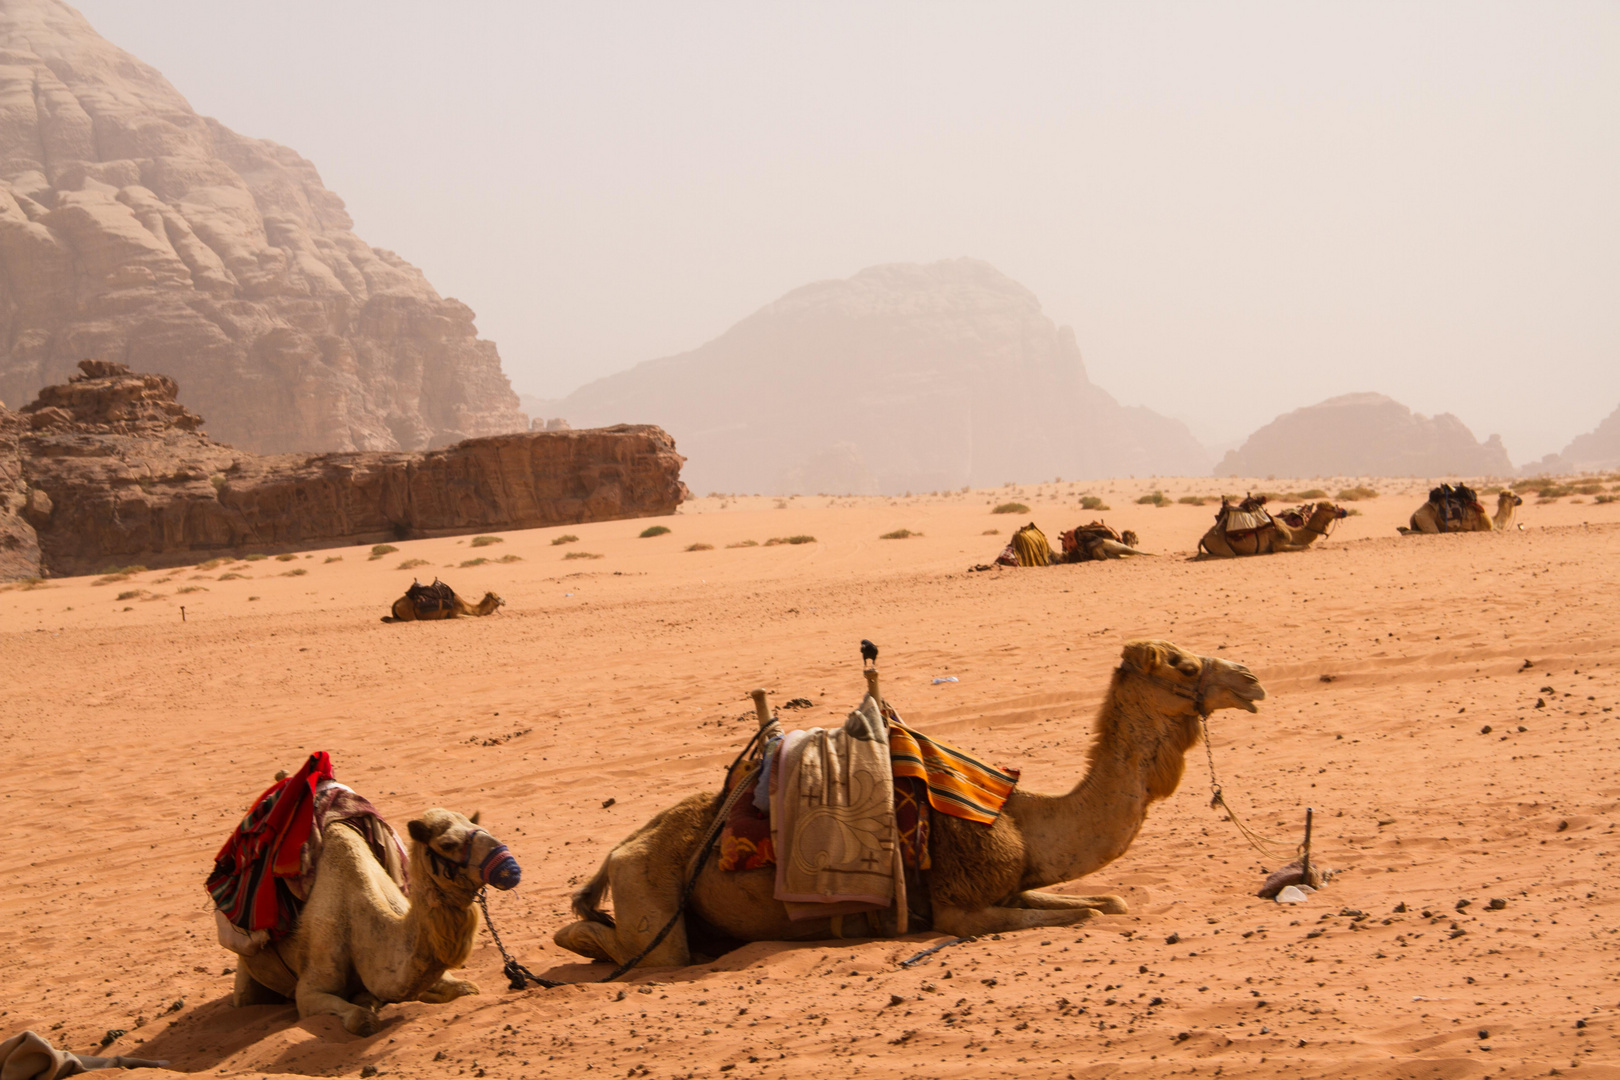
(903, 377)
(1365, 435)
(1595, 451)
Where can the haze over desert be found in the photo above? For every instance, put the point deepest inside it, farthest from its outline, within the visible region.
(697, 542)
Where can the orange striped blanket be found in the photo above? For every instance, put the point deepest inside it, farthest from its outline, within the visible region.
(957, 784)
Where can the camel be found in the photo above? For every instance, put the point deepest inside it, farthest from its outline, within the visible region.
(1426, 519)
(1088, 543)
(360, 943)
(1281, 537)
(422, 603)
(985, 879)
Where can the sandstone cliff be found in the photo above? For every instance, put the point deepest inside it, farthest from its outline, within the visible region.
(110, 469)
(1365, 435)
(903, 377)
(1595, 451)
(134, 230)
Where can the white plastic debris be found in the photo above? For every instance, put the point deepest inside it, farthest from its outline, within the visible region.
(947, 678)
(1293, 894)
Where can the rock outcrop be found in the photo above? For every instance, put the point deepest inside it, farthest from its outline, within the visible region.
(1596, 451)
(134, 230)
(1365, 435)
(110, 469)
(903, 377)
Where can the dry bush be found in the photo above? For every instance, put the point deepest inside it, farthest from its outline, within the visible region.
(744, 543)
(1193, 500)
(565, 538)
(699, 547)
(334, 558)
(510, 559)
(485, 541)
(286, 558)
(1011, 508)
(1309, 495)
(1156, 498)
(379, 550)
(480, 561)
(801, 538)
(190, 589)
(581, 555)
(991, 532)
(297, 571)
(654, 530)
(255, 557)
(899, 534)
(1599, 499)
(411, 564)
(231, 577)
(214, 564)
(1092, 502)
(131, 594)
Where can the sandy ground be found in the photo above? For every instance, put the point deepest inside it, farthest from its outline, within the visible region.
(135, 741)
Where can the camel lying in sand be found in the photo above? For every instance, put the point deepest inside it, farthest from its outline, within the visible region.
(360, 943)
(985, 879)
(438, 601)
(1426, 519)
(1281, 536)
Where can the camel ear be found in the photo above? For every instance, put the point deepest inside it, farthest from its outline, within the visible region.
(476, 814)
(1146, 656)
(419, 831)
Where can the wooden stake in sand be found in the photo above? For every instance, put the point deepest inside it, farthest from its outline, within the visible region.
(182, 613)
(1305, 850)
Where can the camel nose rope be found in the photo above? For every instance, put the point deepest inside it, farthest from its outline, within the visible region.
(1271, 849)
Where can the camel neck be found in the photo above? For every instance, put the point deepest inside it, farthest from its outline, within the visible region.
(1135, 761)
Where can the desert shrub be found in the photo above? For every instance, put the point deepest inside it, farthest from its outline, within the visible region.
(654, 530)
(581, 555)
(1351, 511)
(1531, 484)
(1549, 492)
(190, 589)
(130, 594)
(1599, 499)
(565, 538)
(1588, 489)
(213, 564)
(510, 559)
(799, 539)
(286, 558)
(744, 543)
(1011, 508)
(1157, 498)
(485, 541)
(411, 564)
(991, 532)
(699, 547)
(899, 534)
(231, 577)
(24, 584)
(1309, 494)
(1092, 502)
(379, 550)
(334, 558)
(297, 571)
(255, 557)
(1192, 500)
(252, 598)
(479, 561)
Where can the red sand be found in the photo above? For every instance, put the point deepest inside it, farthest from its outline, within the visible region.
(136, 742)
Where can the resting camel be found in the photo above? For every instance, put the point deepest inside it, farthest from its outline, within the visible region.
(1282, 537)
(1088, 543)
(985, 879)
(360, 943)
(438, 601)
(1426, 519)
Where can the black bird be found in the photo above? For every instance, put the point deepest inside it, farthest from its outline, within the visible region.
(868, 652)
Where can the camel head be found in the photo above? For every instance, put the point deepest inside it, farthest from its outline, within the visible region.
(1187, 684)
(1506, 499)
(493, 600)
(454, 851)
(1324, 514)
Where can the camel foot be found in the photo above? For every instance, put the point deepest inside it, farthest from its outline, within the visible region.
(361, 1021)
(1001, 920)
(447, 989)
(1104, 904)
(585, 938)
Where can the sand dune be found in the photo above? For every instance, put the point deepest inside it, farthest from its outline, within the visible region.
(137, 740)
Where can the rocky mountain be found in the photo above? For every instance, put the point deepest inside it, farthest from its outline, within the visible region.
(110, 469)
(903, 377)
(1597, 450)
(134, 230)
(1365, 435)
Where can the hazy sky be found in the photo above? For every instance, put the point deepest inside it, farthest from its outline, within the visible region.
(1241, 208)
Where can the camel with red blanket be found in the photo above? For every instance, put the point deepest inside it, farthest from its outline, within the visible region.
(982, 879)
(356, 942)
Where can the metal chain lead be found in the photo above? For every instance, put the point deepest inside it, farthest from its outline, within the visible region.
(1271, 849)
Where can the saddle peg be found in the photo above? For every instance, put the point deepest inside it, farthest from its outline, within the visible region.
(761, 709)
(872, 685)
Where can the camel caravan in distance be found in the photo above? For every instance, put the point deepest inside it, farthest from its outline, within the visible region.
(1455, 508)
(1248, 528)
(425, 603)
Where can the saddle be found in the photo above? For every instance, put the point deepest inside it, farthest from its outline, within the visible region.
(1298, 516)
(1248, 518)
(428, 599)
(1453, 503)
(1078, 543)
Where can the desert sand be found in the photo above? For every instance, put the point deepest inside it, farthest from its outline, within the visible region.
(1446, 704)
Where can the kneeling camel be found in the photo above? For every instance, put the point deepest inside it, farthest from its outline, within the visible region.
(1426, 518)
(360, 943)
(985, 879)
(1280, 536)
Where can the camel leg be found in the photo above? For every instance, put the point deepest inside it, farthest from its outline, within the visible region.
(250, 991)
(640, 910)
(1000, 920)
(1106, 904)
(357, 1019)
(447, 989)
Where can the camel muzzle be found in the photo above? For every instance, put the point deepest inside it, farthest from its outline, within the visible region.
(500, 869)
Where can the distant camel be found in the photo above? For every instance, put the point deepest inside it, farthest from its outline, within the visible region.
(422, 603)
(1277, 536)
(1426, 519)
